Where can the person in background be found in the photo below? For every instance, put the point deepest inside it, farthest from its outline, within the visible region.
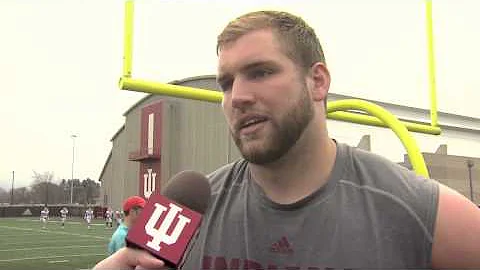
(44, 217)
(132, 208)
(63, 216)
(118, 218)
(109, 218)
(88, 216)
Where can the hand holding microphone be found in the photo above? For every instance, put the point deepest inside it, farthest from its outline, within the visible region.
(166, 225)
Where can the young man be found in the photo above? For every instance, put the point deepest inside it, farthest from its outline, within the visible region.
(109, 218)
(63, 216)
(88, 217)
(299, 199)
(44, 217)
(132, 207)
(118, 218)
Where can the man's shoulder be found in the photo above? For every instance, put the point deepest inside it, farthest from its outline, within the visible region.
(227, 174)
(369, 171)
(362, 163)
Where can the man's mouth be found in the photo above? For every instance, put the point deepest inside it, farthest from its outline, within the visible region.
(250, 124)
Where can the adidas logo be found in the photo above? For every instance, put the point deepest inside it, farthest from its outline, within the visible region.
(281, 246)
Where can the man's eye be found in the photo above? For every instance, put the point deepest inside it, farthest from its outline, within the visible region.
(225, 85)
(260, 73)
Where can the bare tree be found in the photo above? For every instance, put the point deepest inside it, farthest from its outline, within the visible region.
(40, 188)
(22, 195)
(91, 190)
(4, 197)
(44, 189)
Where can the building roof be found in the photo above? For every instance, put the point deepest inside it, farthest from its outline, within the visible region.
(105, 165)
(118, 132)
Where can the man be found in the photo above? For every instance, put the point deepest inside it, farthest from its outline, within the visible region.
(44, 217)
(63, 216)
(299, 199)
(132, 208)
(109, 218)
(118, 218)
(88, 217)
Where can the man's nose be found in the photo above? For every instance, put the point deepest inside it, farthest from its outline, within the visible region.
(242, 94)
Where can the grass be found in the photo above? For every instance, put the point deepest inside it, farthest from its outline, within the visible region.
(24, 244)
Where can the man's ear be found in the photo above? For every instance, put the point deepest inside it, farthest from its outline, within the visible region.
(321, 81)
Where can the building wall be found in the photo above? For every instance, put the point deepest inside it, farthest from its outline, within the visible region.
(106, 186)
(453, 172)
(117, 180)
(196, 135)
(132, 129)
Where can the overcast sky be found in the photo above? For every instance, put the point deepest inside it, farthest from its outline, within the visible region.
(60, 62)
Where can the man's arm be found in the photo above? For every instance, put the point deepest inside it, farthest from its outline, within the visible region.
(456, 241)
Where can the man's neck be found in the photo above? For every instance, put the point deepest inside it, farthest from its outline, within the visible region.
(303, 170)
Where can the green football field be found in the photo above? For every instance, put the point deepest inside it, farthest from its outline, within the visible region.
(24, 244)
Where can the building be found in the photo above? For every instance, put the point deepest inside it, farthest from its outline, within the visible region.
(458, 172)
(161, 137)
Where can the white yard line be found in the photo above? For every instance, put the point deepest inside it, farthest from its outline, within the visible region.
(65, 241)
(66, 222)
(16, 236)
(54, 257)
(62, 247)
(60, 261)
(54, 232)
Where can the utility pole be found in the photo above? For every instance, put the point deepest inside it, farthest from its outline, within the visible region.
(13, 181)
(46, 191)
(73, 162)
(470, 165)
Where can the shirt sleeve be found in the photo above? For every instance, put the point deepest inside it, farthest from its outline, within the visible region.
(117, 242)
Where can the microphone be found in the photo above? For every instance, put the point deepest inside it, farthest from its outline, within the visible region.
(169, 222)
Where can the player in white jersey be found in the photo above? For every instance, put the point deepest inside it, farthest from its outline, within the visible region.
(63, 216)
(88, 216)
(118, 218)
(109, 217)
(44, 216)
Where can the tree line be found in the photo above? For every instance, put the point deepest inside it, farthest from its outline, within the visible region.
(44, 189)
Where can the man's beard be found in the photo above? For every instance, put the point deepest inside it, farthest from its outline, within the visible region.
(285, 133)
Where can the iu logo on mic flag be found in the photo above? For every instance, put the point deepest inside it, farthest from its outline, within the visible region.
(164, 228)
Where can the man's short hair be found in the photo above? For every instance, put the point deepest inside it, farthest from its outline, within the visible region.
(297, 38)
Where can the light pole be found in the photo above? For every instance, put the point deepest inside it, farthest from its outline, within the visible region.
(470, 165)
(73, 162)
(13, 181)
(46, 191)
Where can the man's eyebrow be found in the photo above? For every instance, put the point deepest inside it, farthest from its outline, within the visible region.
(255, 64)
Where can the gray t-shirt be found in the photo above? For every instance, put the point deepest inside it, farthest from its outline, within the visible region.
(371, 214)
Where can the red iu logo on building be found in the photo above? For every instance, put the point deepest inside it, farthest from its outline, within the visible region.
(149, 181)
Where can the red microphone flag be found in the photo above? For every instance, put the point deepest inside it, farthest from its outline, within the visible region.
(164, 228)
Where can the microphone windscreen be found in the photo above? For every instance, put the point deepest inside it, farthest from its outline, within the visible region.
(190, 189)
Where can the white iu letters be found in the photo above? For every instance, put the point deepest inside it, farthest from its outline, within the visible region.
(160, 235)
(149, 183)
